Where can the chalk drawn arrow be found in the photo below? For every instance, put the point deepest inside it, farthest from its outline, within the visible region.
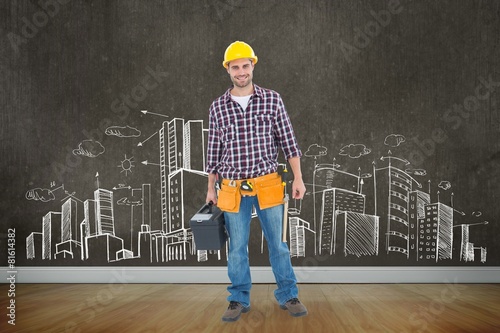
(141, 143)
(150, 163)
(471, 224)
(157, 114)
(453, 205)
(57, 188)
(383, 158)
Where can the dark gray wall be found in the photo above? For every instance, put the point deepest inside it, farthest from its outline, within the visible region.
(350, 72)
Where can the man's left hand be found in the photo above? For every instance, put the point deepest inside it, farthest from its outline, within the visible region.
(298, 189)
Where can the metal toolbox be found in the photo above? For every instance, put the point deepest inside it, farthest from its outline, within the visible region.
(208, 227)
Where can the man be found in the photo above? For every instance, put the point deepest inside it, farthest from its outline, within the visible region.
(247, 126)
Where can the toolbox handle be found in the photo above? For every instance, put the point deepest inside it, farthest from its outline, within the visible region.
(210, 206)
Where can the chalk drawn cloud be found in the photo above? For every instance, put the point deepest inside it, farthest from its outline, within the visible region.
(445, 185)
(89, 148)
(315, 150)
(123, 131)
(394, 140)
(40, 194)
(354, 150)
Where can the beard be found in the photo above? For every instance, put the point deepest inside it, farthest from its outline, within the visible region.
(242, 83)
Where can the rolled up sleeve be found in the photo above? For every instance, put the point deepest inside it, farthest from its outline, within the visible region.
(213, 144)
(284, 133)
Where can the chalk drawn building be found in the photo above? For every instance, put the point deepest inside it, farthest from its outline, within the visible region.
(299, 231)
(70, 246)
(51, 228)
(182, 160)
(416, 213)
(436, 233)
(194, 145)
(101, 244)
(34, 244)
(403, 222)
(326, 176)
(104, 211)
(467, 248)
(357, 233)
(334, 200)
(393, 187)
(181, 207)
(90, 219)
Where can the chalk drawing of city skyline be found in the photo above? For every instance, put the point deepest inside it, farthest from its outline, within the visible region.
(381, 211)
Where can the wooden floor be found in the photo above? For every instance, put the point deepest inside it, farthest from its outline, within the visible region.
(148, 308)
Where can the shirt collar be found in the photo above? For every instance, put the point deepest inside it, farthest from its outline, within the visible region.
(257, 91)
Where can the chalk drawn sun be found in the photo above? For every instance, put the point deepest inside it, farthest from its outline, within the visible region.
(127, 164)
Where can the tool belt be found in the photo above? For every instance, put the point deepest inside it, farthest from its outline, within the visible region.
(269, 190)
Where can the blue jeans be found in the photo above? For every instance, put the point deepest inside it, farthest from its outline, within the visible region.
(238, 227)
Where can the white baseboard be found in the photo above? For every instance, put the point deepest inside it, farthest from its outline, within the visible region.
(259, 274)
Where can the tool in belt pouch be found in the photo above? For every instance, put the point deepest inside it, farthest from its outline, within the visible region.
(268, 188)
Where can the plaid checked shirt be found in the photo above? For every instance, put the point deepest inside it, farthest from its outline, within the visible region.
(244, 143)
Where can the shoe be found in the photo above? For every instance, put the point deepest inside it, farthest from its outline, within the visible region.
(294, 307)
(234, 311)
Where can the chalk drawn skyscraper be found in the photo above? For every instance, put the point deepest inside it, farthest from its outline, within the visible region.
(51, 228)
(392, 191)
(181, 164)
(436, 233)
(416, 211)
(69, 245)
(194, 146)
(104, 211)
(171, 135)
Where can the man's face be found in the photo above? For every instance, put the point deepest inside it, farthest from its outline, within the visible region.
(241, 72)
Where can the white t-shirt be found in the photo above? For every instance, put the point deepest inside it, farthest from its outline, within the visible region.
(241, 100)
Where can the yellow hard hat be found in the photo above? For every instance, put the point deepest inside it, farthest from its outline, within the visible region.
(238, 50)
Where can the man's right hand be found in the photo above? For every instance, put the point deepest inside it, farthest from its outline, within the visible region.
(211, 193)
(211, 196)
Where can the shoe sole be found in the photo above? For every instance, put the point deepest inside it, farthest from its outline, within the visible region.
(245, 310)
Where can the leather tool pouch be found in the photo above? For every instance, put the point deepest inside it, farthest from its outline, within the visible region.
(270, 193)
(229, 198)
